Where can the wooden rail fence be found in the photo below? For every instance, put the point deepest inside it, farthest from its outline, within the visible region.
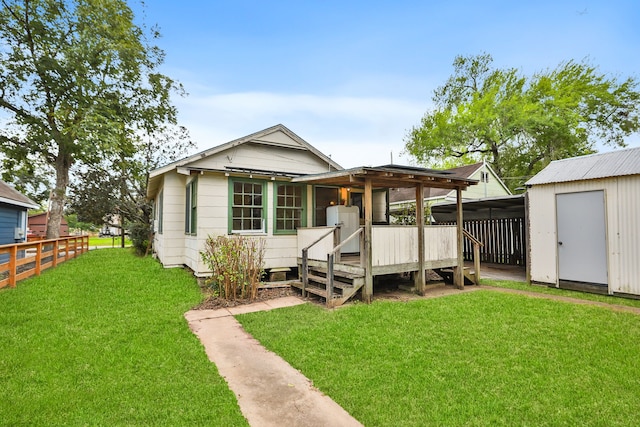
(22, 260)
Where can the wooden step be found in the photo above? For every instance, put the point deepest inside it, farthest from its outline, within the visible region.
(447, 275)
(316, 291)
(324, 281)
(336, 273)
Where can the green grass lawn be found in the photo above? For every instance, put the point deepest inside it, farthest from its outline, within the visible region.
(474, 359)
(101, 340)
(562, 292)
(108, 241)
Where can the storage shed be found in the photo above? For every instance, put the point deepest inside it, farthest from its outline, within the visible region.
(584, 223)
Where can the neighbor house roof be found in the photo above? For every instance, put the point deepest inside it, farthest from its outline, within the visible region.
(593, 166)
(398, 195)
(11, 196)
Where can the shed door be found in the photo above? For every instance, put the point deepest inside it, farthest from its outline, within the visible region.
(582, 248)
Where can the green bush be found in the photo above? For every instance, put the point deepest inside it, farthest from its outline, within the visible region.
(237, 265)
(140, 234)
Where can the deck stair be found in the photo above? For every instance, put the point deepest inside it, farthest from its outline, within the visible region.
(347, 281)
(447, 275)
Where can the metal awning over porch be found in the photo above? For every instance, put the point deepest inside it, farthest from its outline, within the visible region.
(393, 176)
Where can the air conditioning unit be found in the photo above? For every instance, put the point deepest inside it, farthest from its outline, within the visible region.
(18, 233)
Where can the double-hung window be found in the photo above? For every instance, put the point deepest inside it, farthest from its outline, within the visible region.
(289, 208)
(159, 211)
(247, 206)
(191, 211)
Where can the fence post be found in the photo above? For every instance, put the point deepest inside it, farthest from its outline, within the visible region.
(66, 248)
(38, 257)
(55, 253)
(13, 258)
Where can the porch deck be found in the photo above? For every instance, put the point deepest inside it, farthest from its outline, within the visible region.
(394, 250)
(389, 249)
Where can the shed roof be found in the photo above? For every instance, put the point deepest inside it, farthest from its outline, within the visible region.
(11, 196)
(593, 166)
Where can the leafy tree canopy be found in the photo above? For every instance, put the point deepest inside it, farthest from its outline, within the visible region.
(519, 124)
(78, 82)
(119, 186)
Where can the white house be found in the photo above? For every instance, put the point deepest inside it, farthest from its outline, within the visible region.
(584, 223)
(275, 185)
(241, 187)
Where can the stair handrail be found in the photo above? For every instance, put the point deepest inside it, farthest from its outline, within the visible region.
(347, 240)
(476, 253)
(471, 237)
(319, 239)
(331, 260)
(305, 259)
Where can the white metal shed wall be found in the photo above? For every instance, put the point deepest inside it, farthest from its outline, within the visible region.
(622, 199)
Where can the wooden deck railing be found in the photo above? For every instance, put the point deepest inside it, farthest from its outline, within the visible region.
(334, 255)
(22, 260)
(335, 231)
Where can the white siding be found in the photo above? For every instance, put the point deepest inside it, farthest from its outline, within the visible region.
(622, 213)
(264, 157)
(169, 246)
(213, 210)
(624, 261)
(306, 236)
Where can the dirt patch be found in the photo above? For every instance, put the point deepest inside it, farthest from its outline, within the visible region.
(211, 302)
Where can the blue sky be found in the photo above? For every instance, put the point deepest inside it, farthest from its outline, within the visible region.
(352, 77)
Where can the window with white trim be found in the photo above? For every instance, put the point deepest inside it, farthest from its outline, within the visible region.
(289, 208)
(247, 207)
(191, 208)
(159, 210)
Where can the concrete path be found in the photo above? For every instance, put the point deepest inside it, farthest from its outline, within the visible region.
(269, 391)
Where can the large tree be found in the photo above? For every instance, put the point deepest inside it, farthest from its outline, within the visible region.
(519, 124)
(78, 80)
(119, 186)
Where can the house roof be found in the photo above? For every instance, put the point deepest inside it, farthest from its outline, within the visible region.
(399, 195)
(594, 166)
(389, 176)
(11, 196)
(255, 138)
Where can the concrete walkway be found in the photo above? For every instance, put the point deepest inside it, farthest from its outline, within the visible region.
(269, 391)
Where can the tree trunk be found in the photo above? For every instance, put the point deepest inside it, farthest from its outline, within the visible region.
(58, 196)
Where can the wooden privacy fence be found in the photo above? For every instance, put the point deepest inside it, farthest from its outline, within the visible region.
(503, 239)
(22, 260)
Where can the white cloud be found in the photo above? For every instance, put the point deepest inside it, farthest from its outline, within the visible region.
(355, 131)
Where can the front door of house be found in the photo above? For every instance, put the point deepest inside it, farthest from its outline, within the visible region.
(582, 239)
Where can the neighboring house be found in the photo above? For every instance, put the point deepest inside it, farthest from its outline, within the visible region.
(241, 187)
(111, 226)
(38, 225)
(13, 214)
(402, 200)
(584, 223)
